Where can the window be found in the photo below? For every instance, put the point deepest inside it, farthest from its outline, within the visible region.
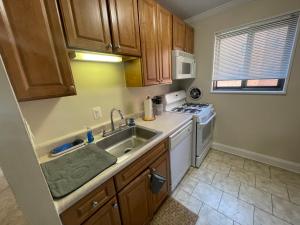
(256, 57)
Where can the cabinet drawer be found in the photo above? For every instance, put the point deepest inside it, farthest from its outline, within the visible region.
(84, 208)
(107, 215)
(137, 167)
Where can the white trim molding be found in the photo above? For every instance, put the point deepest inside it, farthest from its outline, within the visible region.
(215, 11)
(270, 160)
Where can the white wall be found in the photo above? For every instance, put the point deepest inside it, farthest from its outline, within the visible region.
(266, 124)
(98, 84)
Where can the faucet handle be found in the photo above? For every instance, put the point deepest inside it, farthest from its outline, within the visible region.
(122, 123)
(104, 132)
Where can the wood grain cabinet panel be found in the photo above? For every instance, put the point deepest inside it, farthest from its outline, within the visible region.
(125, 27)
(86, 24)
(107, 215)
(149, 42)
(183, 36)
(189, 39)
(164, 26)
(33, 49)
(178, 34)
(161, 167)
(88, 205)
(156, 46)
(135, 201)
(137, 167)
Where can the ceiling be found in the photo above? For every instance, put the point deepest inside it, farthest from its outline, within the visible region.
(188, 8)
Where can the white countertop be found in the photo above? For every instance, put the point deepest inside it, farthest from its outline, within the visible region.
(167, 123)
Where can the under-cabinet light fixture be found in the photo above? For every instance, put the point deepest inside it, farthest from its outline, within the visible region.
(96, 57)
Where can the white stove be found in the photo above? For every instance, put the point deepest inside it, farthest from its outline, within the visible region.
(203, 122)
(176, 102)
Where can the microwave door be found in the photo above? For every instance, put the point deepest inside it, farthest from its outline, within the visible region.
(185, 68)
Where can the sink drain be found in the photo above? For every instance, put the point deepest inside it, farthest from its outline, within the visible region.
(127, 150)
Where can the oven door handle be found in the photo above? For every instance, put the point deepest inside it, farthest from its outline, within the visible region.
(208, 121)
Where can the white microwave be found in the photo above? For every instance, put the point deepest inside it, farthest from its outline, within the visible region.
(183, 65)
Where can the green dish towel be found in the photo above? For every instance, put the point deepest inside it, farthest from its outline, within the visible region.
(69, 172)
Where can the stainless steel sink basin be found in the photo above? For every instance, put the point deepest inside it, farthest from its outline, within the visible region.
(126, 141)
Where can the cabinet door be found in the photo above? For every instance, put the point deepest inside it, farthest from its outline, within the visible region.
(148, 29)
(125, 27)
(33, 49)
(135, 201)
(86, 24)
(107, 215)
(178, 34)
(162, 167)
(189, 39)
(164, 18)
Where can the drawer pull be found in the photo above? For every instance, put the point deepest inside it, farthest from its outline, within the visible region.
(109, 45)
(95, 204)
(115, 205)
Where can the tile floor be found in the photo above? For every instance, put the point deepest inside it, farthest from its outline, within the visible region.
(225, 190)
(9, 211)
(228, 189)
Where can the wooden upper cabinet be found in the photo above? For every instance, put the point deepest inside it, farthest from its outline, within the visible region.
(33, 49)
(135, 201)
(125, 27)
(189, 39)
(178, 34)
(149, 42)
(183, 36)
(86, 24)
(164, 26)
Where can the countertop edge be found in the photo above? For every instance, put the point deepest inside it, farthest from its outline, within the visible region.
(62, 204)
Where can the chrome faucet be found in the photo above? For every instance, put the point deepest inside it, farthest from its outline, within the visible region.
(112, 119)
(113, 129)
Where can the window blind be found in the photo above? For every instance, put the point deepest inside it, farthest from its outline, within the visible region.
(257, 51)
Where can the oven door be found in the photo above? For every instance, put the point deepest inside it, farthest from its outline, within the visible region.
(184, 68)
(204, 136)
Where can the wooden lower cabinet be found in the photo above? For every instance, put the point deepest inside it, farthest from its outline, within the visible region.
(135, 201)
(107, 215)
(161, 167)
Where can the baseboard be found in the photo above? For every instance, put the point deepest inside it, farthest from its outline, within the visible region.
(284, 164)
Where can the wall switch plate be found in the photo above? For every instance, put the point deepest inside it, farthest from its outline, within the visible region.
(97, 113)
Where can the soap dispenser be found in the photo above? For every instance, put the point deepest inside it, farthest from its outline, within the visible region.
(89, 135)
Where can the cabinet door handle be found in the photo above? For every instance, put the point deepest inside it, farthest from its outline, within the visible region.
(115, 205)
(71, 88)
(109, 46)
(95, 204)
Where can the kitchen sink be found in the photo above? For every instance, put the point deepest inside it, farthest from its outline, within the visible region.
(126, 141)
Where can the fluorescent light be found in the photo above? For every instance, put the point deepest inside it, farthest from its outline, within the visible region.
(97, 57)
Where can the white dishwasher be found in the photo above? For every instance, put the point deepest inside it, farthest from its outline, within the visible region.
(181, 146)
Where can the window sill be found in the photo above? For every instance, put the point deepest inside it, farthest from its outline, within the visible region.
(249, 92)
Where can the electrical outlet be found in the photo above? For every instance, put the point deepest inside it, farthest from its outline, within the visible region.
(97, 113)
